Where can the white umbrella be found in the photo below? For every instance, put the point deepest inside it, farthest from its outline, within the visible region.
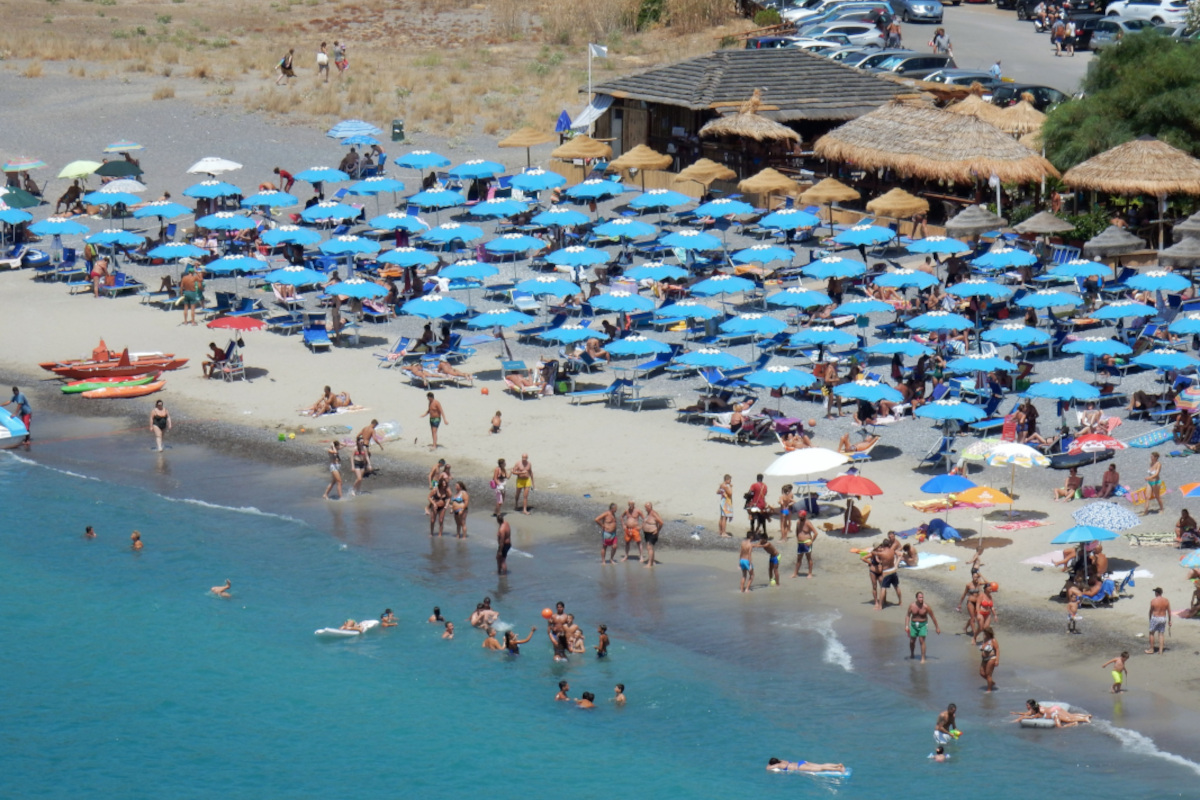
(805, 462)
(213, 166)
(125, 185)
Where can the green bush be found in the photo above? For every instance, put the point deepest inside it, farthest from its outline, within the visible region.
(1087, 225)
(766, 18)
(649, 14)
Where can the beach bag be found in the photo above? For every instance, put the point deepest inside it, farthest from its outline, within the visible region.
(322, 60)
(110, 280)
(492, 483)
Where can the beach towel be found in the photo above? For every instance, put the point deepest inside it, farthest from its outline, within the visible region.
(930, 560)
(1016, 526)
(1044, 560)
(342, 410)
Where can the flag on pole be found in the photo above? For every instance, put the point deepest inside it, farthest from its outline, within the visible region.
(597, 51)
(564, 123)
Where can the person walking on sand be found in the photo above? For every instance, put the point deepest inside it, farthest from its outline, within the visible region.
(160, 423)
(631, 521)
(335, 469)
(1160, 621)
(746, 561)
(285, 68)
(323, 63)
(1119, 670)
(608, 534)
(190, 287)
(437, 415)
(499, 484)
(916, 622)
(523, 472)
(725, 505)
(23, 411)
(1154, 484)
(806, 536)
(503, 544)
(651, 526)
(339, 57)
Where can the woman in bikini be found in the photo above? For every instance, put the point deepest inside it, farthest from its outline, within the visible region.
(779, 765)
(1155, 484)
(971, 595)
(513, 645)
(1062, 718)
(786, 502)
(439, 496)
(499, 484)
(335, 469)
(459, 505)
(985, 609)
(359, 462)
(990, 653)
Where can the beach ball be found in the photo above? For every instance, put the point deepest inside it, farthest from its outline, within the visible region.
(547, 613)
(483, 390)
(993, 587)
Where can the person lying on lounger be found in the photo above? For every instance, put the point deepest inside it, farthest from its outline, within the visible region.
(845, 445)
(445, 368)
(517, 379)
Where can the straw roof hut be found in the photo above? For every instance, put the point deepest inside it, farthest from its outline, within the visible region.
(641, 157)
(1184, 254)
(932, 144)
(976, 106)
(769, 181)
(705, 171)
(1033, 140)
(898, 204)
(582, 146)
(747, 123)
(1112, 241)
(1043, 222)
(1189, 227)
(829, 191)
(972, 221)
(527, 138)
(1142, 166)
(1021, 118)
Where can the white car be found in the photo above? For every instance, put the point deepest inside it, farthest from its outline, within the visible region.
(1160, 12)
(859, 34)
(808, 10)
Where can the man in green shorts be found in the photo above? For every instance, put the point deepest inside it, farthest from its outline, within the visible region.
(190, 285)
(915, 623)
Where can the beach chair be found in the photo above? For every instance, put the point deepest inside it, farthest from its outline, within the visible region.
(395, 354)
(638, 401)
(285, 323)
(1103, 596)
(611, 394)
(122, 284)
(864, 456)
(724, 434)
(13, 257)
(454, 351)
(316, 337)
(290, 302)
(524, 301)
(249, 307)
(233, 368)
(942, 451)
(1126, 584)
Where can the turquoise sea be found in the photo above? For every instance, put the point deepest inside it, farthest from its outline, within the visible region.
(124, 677)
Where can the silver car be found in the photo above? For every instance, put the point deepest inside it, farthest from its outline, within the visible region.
(918, 10)
(860, 34)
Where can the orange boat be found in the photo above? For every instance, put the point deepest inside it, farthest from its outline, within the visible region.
(123, 367)
(124, 391)
(101, 356)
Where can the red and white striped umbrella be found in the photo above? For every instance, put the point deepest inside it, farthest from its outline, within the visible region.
(1095, 443)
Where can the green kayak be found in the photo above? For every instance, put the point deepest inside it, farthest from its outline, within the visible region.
(75, 387)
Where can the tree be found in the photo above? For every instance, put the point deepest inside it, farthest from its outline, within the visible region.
(1149, 85)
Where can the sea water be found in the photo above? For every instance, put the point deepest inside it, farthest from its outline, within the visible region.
(124, 677)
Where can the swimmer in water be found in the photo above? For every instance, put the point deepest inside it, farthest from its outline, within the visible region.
(563, 688)
(436, 616)
(449, 632)
(222, 591)
(351, 625)
(602, 648)
(89, 532)
(779, 765)
(939, 755)
(388, 619)
(588, 701)
(136, 540)
(490, 642)
(619, 694)
(513, 645)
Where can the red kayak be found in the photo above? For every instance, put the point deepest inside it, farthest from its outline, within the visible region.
(102, 356)
(124, 367)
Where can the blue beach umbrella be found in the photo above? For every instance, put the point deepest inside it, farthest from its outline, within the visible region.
(789, 220)
(452, 232)
(595, 189)
(1097, 346)
(437, 198)
(947, 484)
(938, 244)
(624, 229)
(871, 391)
(498, 317)
(352, 127)
(1063, 389)
(780, 377)
(422, 160)
(321, 175)
(173, 250)
(757, 324)
(161, 208)
(623, 302)
(976, 362)
(1123, 309)
(227, 265)
(514, 243)
(940, 321)
(692, 240)
(475, 169)
(348, 245)
(1158, 281)
(58, 226)
(537, 180)
(547, 285)
(395, 221)
(659, 199)
(686, 309)
(329, 210)
(1005, 257)
(290, 234)
(637, 346)
(123, 146)
(721, 284)
(708, 357)
(207, 190)
(763, 254)
(467, 271)
(571, 334)
(561, 216)
(822, 336)
(1081, 269)
(375, 185)
(360, 139)
(431, 306)
(906, 279)
(859, 307)
(949, 410)
(103, 198)
(799, 297)
(116, 238)
(270, 200)
(225, 221)
(905, 347)
(578, 256)
(864, 235)
(14, 216)
(294, 276)
(1165, 359)
(407, 257)
(979, 288)
(1081, 534)
(1015, 334)
(724, 207)
(1109, 516)
(497, 208)
(359, 288)
(1188, 324)
(655, 271)
(1049, 298)
(834, 267)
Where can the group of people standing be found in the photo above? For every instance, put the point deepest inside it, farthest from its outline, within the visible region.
(639, 526)
(287, 66)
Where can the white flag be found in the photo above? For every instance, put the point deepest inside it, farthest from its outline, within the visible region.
(598, 51)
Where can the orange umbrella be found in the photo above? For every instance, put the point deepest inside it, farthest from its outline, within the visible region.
(983, 496)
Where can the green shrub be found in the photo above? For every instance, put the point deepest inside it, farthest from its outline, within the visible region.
(766, 18)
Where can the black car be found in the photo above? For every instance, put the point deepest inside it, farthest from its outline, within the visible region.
(1009, 94)
(1025, 8)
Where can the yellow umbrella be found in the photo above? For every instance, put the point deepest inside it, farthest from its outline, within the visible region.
(984, 496)
(79, 169)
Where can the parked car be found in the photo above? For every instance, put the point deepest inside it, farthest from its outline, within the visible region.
(849, 55)
(870, 13)
(860, 34)
(963, 77)
(880, 56)
(1110, 30)
(1044, 97)
(808, 9)
(1159, 12)
(1085, 26)
(914, 65)
(803, 42)
(918, 10)
(1025, 8)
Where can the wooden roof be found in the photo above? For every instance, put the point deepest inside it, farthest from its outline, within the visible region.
(795, 85)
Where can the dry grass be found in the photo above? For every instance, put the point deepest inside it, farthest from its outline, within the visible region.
(163, 93)
(33, 70)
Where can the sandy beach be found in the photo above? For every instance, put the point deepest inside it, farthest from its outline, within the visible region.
(584, 457)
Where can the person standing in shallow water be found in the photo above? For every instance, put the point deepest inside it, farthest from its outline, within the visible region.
(160, 423)
(503, 544)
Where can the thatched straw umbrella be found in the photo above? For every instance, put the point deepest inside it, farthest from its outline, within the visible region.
(1033, 141)
(1112, 241)
(976, 106)
(747, 123)
(1020, 119)
(972, 221)
(527, 138)
(828, 192)
(932, 144)
(704, 172)
(1189, 227)
(1184, 254)
(898, 204)
(768, 182)
(1142, 166)
(582, 146)
(1043, 223)
(640, 158)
